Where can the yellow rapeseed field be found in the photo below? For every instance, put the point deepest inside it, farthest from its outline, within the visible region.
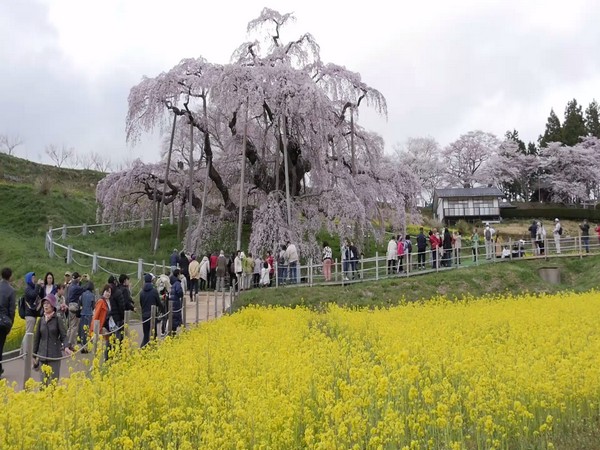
(477, 374)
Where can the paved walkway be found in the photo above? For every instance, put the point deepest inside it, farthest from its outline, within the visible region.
(13, 371)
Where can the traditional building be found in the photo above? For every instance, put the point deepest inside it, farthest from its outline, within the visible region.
(470, 204)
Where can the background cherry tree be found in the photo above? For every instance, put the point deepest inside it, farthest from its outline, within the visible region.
(274, 99)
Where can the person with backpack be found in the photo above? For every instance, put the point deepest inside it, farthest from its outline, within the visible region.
(174, 260)
(282, 264)
(194, 270)
(88, 303)
(345, 253)
(148, 297)
(557, 234)
(421, 249)
(204, 273)
(101, 314)
(447, 247)
(533, 233)
(117, 308)
(7, 309)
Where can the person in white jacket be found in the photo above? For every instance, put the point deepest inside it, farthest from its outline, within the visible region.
(557, 233)
(392, 256)
(292, 257)
(237, 267)
(203, 273)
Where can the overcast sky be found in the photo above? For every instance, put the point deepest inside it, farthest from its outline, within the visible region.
(445, 68)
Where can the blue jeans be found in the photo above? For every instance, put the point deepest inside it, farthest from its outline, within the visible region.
(293, 272)
(586, 243)
(282, 273)
(86, 322)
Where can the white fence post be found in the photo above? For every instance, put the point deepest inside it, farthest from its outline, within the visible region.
(140, 268)
(28, 346)
(377, 265)
(69, 254)
(84, 229)
(64, 231)
(95, 262)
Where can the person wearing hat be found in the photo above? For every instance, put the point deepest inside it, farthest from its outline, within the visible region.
(148, 297)
(33, 294)
(49, 340)
(557, 234)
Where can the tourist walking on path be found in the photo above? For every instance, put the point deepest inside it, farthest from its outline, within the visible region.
(392, 256)
(327, 259)
(74, 302)
(177, 299)
(32, 302)
(292, 257)
(148, 297)
(457, 244)
(174, 260)
(447, 246)
(434, 243)
(557, 234)
(7, 309)
(194, 269)
(102, 315)
(475, 244)
(421, 249)
(488, 235)
(49, 341)
(221, 271)
(585, 235)
(204, 274)
(540, 238)
(533, 233)
(88, 303)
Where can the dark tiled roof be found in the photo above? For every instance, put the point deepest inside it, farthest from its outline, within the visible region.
(469, 192)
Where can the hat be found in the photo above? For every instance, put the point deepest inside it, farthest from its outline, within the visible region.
(148, 278)
(50, 298)
(85, 275)
(75, 275)
(67, 274)
(556, 220)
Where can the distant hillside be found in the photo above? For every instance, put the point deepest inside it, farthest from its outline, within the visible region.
(14, 170)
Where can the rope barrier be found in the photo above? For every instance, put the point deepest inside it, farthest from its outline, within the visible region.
(113, 331)
(80, 265)
(15, 358)
(48, 358)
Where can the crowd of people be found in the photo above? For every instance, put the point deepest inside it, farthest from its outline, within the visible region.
(61, 314)
(216, 271)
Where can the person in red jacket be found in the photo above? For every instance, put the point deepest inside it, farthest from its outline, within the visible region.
(212, 276)
(598, 231)
(434, 242)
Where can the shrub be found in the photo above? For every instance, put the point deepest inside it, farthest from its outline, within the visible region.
(43, 184)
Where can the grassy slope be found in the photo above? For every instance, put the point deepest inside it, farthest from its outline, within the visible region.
(506, 277)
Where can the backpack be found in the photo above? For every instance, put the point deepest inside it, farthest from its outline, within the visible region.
(560, 231)
(488, 235)
(408, 247)
(22, 307)
(75, 307)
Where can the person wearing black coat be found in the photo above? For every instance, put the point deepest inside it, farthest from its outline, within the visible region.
(8, 307)
(148, 297)
(74, 304)
(421, 249)
(184, 267)
(117, 305)
(177, 299)
(447, 246)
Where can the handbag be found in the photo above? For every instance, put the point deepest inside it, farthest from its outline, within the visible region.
(5, 323)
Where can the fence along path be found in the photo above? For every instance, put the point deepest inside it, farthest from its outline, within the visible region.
(343, 272)
(212, 305)
(208, 306)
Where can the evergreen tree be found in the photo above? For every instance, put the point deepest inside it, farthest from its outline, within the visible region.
(553, 131)
(592, 120)
(514, 136)
(574, 125)
(532, 149)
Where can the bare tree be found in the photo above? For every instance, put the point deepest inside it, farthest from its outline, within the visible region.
(59, 155)
(9, 143)
(85, 161)
(101, 163)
